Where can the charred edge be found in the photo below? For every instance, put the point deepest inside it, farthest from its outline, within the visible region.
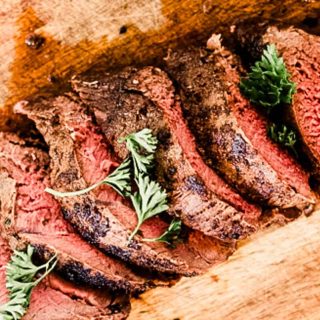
(86, 234)
(116, 308)
(100, 225)
(42, 252)
(164, 138)
(96, 231)
(98, 228)
(94, 238)
(249, 43)
(239, 230)
(91, 216)
(144, 263)
(77, 273)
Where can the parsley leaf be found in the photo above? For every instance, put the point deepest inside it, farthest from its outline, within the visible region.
(149, 201)
(20, 281)
(268, 83)
(141, 141)
(14, 308)
(170, 235)
(283, 135)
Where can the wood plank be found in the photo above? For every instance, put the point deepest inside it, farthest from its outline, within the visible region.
(78, 34)
(273, 276)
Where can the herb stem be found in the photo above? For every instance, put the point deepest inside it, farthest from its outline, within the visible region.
(155, 239)
(134, 232)
(170, 235)
(74, 193)
(47, 268)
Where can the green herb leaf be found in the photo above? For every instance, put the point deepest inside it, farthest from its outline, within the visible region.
(283, 135)
(119, 180)
(149, 201)
(268, 83)
(20, 281)
(170, 235)
(14, 309)
(137, 143)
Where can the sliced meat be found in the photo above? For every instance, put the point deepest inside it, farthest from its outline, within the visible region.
(255, 127)
(225, 135)
(301, 54)
(55, 298)
(37, 220)
(197, 251)
(96, 220)
(133, 99)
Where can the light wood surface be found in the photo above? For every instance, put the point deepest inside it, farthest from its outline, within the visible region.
(275, 276)
(80, 33)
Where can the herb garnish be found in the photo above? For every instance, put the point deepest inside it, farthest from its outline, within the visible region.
(149, 201)
(170, 235)
(20, 281)
(119, 180)
(268, 82)
(283, 135)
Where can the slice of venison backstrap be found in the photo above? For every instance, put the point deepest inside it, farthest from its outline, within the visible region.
(301, 54)
(226, 138)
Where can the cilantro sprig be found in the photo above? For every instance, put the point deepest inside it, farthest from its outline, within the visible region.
(20, 274)
(268, 84)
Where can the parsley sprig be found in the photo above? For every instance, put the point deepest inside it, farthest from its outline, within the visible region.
(119, 180)
(284, 136)
(268, 84)
(20, 274)
(170, 235)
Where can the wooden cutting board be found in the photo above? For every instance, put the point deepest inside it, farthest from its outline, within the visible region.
(274, 276)
(43, 43)
(76, 34)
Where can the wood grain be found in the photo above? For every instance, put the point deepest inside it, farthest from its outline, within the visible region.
(274, 276)
(79, 34)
